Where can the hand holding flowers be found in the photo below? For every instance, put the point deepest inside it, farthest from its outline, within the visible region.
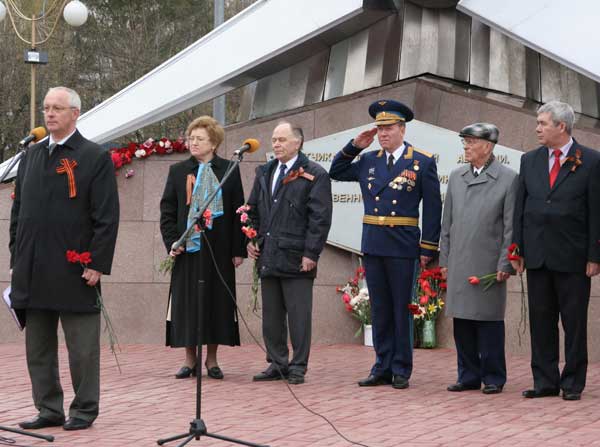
(253, 252)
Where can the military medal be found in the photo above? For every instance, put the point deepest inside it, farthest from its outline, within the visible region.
(369, 186)
(416, 165)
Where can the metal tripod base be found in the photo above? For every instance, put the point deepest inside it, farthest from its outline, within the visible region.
(48, 438)
(198, 429)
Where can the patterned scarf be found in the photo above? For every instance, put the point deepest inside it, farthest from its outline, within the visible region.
(206, 184)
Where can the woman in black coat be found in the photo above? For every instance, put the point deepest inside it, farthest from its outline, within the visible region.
(189, 182)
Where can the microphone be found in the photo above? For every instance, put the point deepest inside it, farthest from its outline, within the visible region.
(35, 135)
(250, 145)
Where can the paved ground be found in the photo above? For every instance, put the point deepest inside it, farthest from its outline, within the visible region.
(145, 403)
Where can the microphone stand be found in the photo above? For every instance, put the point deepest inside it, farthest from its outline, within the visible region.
(197, 426)
(48, 438)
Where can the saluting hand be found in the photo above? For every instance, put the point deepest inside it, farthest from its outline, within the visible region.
(365, 138)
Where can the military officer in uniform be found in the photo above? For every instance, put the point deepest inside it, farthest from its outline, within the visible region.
(394, 181)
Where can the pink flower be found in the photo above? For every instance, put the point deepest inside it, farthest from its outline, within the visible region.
(473, 280)
(244, 217)
(346, 298)
(424, 299)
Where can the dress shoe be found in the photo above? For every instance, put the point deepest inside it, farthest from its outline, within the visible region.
(40, 422)
(492, 389)
(295, 378)
(374, 380)
(270, 374)
(185, 372)
(570, 395)
(458, 387)
(214, 372)
(532, 394)
(399, 382)
(76, 424)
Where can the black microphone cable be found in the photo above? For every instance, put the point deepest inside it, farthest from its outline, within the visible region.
(265, 350)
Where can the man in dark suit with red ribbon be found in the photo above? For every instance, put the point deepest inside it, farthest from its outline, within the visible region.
(66, 198)
(557, 230)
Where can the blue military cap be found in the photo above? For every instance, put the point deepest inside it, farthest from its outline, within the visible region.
(388, 111)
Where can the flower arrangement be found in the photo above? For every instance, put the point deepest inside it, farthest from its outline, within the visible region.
(514, 255)
(251, 233)
(356, 299)
(124, 155)
(427, 302)
(84, 259)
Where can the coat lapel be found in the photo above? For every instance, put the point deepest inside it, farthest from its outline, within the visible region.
(276, 201)
(540, 168)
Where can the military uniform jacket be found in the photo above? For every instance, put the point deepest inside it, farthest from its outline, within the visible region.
(46, 222)
(293, 224)
(476, 232)
(559, 227)
(396, 193)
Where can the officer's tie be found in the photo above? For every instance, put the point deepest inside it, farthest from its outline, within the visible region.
(279, 179)
(555, 167)
(390, 162)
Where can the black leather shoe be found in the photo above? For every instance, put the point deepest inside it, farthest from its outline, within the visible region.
(458, 387)
(214, 372)
(399, 382)
(533, 394)
(492, 389)
(185, 372)
(40, 422)
(569, 395)
(295, 379)
(76, 424)
(270, 374)
(374, 380)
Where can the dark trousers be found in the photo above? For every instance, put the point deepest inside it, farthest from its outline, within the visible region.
(480, 352)
(291, 298)
(390, 283)
(553, 294)
(82, 335)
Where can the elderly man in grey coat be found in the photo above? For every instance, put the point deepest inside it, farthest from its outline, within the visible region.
(476, 233)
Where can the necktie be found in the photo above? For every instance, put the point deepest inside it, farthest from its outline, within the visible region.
(555, 167)
(390, 162)
(51, 148)
(280, 178)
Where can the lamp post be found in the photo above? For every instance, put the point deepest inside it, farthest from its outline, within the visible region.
(75, 14)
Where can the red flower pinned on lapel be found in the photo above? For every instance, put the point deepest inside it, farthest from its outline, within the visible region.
(67, 167)
(294, 174)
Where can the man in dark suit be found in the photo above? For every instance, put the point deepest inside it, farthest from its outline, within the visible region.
(65, 199)
(291, 206)
(557, 230)
(394, 181)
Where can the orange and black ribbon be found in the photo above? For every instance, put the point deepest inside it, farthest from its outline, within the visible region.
(293, 175)
(67, 167)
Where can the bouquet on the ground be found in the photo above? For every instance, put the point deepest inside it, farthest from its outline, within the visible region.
(427, 302)
(356, 298)
(84, 259)
(251, 234)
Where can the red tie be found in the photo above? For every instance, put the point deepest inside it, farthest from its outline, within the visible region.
(555, 167)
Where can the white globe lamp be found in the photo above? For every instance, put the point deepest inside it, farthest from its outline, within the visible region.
(75, 13)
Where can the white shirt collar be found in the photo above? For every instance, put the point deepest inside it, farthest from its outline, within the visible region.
(398, 152)
(564, 149)
(63, 141)
(288, 164)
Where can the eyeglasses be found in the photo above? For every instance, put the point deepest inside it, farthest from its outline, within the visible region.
(469, 141)
(55, 109)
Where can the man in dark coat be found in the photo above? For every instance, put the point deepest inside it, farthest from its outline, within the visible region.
(65, 199)
(291, 206)
(557, 229)
(393, 181)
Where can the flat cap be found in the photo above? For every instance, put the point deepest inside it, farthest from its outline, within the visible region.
(388, 111)
(484, 131)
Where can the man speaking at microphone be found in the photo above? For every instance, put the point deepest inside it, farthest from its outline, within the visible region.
(65, 199)
(291, 206)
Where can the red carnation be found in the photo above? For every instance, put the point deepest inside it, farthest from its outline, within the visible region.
(414, 309)
(85, 258)
(116, 159)
(72, 256)
(473, 280)
(424, 299)
(346, 298)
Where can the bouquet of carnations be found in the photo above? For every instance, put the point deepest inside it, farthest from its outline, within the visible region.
(427, 302)
(356, 298)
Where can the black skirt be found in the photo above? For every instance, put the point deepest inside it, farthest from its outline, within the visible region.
(220, 321)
